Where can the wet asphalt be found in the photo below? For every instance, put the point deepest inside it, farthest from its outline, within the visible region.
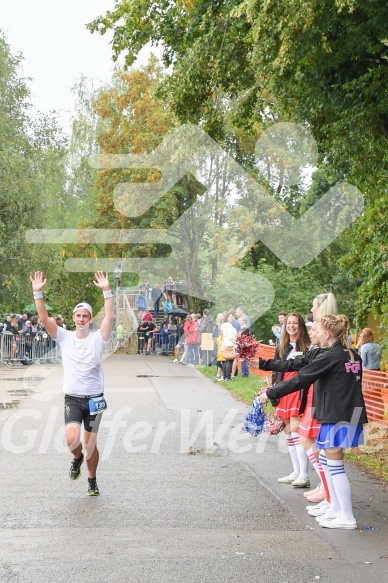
(186, 496)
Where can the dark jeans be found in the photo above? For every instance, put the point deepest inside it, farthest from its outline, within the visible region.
(228, 369)
(244, 369)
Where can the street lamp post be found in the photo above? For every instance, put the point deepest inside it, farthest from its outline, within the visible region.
(117, 272)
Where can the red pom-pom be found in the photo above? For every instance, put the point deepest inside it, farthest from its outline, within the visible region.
(246, 346)
(274, 424)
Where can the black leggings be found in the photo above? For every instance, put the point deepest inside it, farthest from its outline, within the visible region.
(228, 369)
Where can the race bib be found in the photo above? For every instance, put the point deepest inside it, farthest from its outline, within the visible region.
(97, 405)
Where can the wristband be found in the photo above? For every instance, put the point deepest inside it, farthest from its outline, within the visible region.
(107, 293)
(38, 295)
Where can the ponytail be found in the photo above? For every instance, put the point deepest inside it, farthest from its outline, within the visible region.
(327, 305)
(338, 326)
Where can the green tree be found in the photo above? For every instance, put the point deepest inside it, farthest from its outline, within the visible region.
(31, 182)
(322, 64)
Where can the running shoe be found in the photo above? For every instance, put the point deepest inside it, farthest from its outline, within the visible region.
(305, 494)
(339, 522)
(75, 468)
(92, 487)
(323, 503)
(288, 479)
(318, 510)
(301, 482)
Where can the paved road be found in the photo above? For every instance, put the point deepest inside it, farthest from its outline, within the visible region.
(186, 497)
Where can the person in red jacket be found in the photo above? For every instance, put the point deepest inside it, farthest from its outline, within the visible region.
(192, 340)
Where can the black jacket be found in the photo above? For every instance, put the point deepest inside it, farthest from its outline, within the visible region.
(278, 365)
(294, 364)
(338, 394)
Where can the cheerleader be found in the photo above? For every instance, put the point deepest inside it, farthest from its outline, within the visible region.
(308, 427)
(340, 409)
(323, 305)
(293, 341)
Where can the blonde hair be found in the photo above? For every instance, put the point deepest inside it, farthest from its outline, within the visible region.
(338, 326)
(327, 305)
(220, 318)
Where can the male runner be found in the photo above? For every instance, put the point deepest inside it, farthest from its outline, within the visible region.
(83, 375)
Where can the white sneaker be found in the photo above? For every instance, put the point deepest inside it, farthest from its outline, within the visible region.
(301, 482)
(319, 511)
(339, 522)
(175, 360)
(326, 517)
(288, 479)
(320, 505)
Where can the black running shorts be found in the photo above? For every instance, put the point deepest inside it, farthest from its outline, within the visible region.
(77, 411)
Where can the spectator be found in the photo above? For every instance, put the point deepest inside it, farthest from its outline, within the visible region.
(205, 329)
(278, 329)
(241, 314)
(151, 329)
(229, 333)
(235, 322)
(369, 350)
(308, 320)
(60, 321)
(147, 316)
(141, 340)
(165, 334)
(192, 340)
(246, 332)
(181, 342)
(217, 339)
(156, 294)
(141, 303)
(167, 305)
(28, 336)
(22, 323)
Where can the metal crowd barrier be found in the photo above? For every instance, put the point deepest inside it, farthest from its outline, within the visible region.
(26, 349)
(158, 345)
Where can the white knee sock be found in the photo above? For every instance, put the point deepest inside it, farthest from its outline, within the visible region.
(292, 449)
(342, 487)
(314, 462)
(334, 503)
(303, 460)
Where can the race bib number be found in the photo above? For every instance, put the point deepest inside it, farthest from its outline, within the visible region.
(97, 405)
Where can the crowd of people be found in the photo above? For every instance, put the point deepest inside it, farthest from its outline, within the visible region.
(196, 339)
(151, 297)
(25, 338)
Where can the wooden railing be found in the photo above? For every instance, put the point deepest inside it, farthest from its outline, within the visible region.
(374, 386)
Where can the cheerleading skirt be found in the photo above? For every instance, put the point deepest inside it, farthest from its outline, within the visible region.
(344, 435)
(309, 427)
(289, 404)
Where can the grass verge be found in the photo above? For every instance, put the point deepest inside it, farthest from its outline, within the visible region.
(373, 457)
(243, 389)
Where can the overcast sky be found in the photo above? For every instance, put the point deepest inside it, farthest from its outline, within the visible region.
(57, 48)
